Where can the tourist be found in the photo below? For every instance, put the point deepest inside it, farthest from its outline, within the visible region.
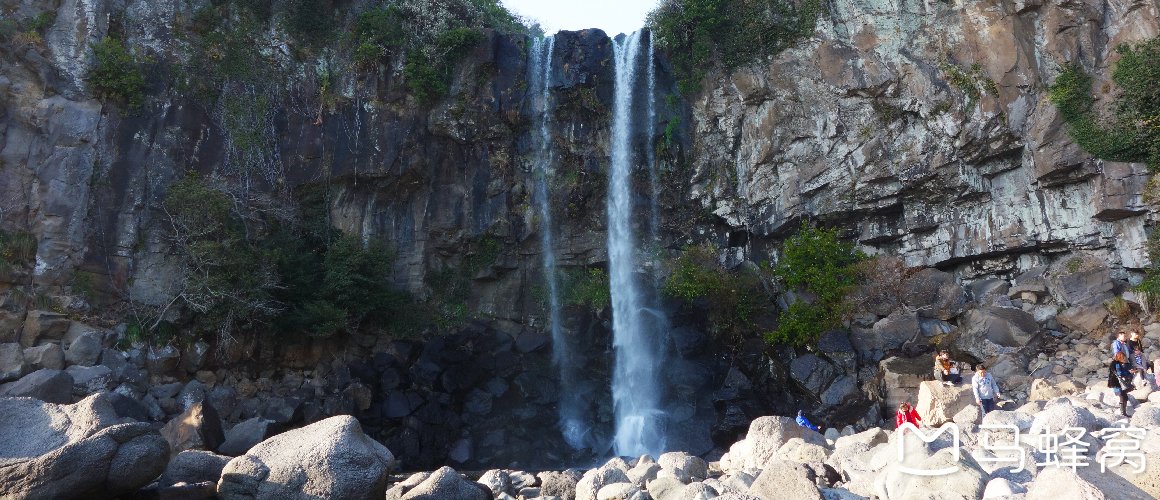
(1136, 354)
(985, 389)
(1119, 345)
(802, 421)
(1120, 380)
(906, 414)
(946, 369)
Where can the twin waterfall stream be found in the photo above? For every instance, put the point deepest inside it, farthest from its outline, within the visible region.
(639, 328)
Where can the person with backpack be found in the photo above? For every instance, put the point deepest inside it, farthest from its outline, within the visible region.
(906, 414)
(985, 389)
(1120, 379)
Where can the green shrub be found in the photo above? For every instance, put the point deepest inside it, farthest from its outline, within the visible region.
(455, 43)
(299, 277)
(816, 263)
(426, 81)
(16, 249)
(451, 285)
(8, 28)
(1132, 131)
(585, 287)
(41, 22)
(733, 298)
(118, 73)
(377, 33)
(739, 31)
(971, 82)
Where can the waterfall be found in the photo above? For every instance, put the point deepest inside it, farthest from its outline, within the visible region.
(636, 392)
(650, 124)
(571, 421)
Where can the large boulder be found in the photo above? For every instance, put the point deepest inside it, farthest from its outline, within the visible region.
(80, 451)
(12, 363)
(84, 350)
(51, 386)
(193, 467)
(627, 491)
(967, 483)
(900, 378)
(443, 484)
(592, 481)
(242, 437)
(695, 467)
(1002, 417)
(782, 480)
(1082, 318)
(331, 459)
(938, 403)
(813, 373)
(496, 480)
(197, 428)
(891, 482)
(560, 484)
(1059, 483)
(797, 450)
(90, 379)
(870, 437)
(45, 356)
(1043, 390)
(934, 293)
(766, 436)
(43, 325)
(1147, 416)
(1060, 414)
(1090, 284)
(990, 331)
(888, 333)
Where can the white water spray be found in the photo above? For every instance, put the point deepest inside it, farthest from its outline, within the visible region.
(636, 392)
(572, 423)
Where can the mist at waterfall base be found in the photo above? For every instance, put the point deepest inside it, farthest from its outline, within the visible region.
(639, 326)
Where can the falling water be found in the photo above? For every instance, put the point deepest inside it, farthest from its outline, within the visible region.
(636, 398)
(572, 423)
(650, 124)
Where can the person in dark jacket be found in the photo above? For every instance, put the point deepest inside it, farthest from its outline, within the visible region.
(1120, 379)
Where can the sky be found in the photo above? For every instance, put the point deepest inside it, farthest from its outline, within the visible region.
(612, 16)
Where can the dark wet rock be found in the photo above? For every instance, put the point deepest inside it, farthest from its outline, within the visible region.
(52, 386)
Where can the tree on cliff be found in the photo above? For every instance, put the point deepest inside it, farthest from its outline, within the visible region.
(818, 271)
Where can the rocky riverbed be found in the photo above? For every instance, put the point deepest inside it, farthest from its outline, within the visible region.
(96, 448)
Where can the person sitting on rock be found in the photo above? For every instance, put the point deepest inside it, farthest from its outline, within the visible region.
(946, 369)
(1120, 380)
(906, 414)
(802, 421)
(985, 389)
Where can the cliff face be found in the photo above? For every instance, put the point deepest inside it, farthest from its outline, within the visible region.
(921, 128)
(924, 129)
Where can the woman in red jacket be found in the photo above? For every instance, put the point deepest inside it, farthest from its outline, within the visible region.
(906, 414)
